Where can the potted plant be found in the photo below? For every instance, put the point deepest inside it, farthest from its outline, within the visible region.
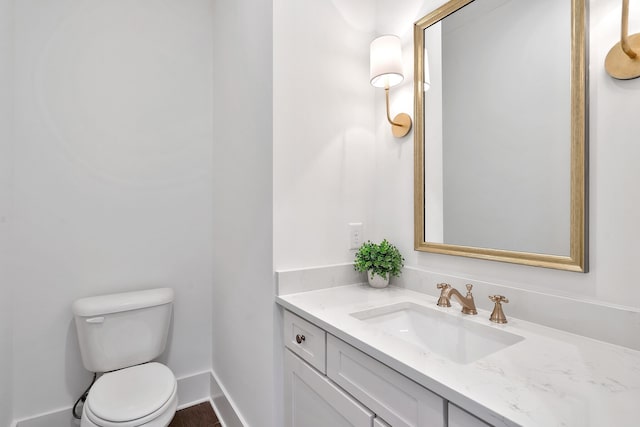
(380, 261)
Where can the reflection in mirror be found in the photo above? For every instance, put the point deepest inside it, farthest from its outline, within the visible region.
(500, 134)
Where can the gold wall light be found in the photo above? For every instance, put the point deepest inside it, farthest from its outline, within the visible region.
(386, 71)
(623, 61)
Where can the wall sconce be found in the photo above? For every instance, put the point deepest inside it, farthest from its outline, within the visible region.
(622, 61)
(386, 71)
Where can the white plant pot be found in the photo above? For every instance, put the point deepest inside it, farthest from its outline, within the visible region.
(377, 281)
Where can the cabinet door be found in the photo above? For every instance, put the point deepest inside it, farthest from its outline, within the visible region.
(379, 422)
(460, 418)
(392, 396)
(311, 400)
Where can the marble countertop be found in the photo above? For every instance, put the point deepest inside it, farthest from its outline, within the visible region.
(550, 378)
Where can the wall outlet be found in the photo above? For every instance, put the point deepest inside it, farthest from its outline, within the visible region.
(355, 235)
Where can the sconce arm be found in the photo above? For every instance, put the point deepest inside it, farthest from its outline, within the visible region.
(624, 38)
(386, 93)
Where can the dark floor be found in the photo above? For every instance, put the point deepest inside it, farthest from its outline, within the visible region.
(196, 416)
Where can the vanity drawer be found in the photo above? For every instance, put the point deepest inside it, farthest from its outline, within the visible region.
(306, 340)
(390, 395)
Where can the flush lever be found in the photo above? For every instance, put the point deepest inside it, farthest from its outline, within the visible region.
(95, 320)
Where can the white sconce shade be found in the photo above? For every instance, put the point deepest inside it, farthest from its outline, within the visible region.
(386, 61)
(386, 71)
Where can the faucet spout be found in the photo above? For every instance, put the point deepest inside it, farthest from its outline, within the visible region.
(467, 302)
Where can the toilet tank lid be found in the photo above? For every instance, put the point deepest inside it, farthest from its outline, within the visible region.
(126, 301)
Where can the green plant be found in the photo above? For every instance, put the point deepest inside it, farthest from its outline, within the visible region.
(380, 258)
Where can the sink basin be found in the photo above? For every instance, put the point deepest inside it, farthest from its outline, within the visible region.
(455, 338)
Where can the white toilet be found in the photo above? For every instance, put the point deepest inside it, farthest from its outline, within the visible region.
(120, 334)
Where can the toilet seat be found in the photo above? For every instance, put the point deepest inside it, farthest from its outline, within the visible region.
(133, 397)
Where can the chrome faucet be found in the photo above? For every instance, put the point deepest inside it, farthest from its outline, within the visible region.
(467, 302)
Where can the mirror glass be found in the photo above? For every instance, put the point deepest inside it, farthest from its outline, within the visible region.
(500, 131)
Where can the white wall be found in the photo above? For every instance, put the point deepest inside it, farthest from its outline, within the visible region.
(6, 141)
(243, 286)
(330, 127)
(113, 189)
(324, 141)
(614, 154)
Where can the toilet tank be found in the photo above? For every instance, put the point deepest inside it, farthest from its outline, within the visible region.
(121, 330)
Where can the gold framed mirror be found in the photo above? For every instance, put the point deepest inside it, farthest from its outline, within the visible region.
(500, 167)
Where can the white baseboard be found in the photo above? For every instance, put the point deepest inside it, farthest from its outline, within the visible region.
(224, 407)
(192, 390)
(60, 418)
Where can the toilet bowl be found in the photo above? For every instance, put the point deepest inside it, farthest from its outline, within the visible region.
(143, 395)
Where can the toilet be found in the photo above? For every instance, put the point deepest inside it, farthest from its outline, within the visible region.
(120, 335)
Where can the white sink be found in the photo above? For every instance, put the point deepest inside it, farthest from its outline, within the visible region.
(453, 337)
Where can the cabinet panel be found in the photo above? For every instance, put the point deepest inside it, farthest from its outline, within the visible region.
(461, 418)
(379, 422)
(306, 340)
(311, 400)
(394, 397)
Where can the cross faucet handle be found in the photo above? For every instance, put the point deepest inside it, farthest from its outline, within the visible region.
(469, 287)
(443, 301)
(498, 299)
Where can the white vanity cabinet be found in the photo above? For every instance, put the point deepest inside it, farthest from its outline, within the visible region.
(330, 383)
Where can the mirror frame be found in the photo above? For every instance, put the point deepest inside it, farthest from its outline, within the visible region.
(577, 260)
